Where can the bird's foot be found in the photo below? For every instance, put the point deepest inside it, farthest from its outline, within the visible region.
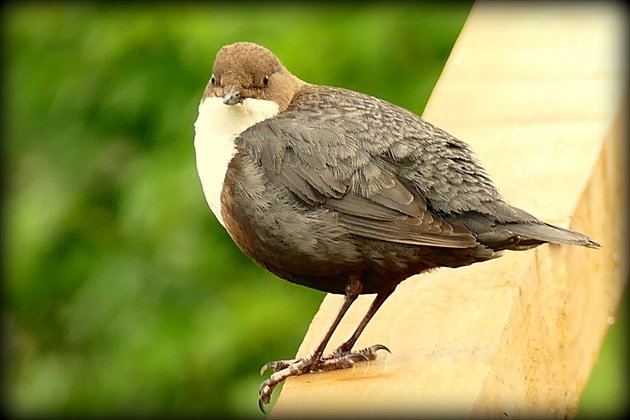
(283, 369)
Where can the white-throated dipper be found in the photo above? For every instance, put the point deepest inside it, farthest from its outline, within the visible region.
(343, 192)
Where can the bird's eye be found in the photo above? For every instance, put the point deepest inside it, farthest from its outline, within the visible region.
(265, 80)
(213, 80)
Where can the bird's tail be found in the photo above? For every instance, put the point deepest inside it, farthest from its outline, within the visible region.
(545, 232)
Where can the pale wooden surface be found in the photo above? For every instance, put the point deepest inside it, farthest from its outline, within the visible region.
(537, 92)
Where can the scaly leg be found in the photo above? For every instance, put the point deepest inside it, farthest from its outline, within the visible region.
(376, 304)
(339, 359)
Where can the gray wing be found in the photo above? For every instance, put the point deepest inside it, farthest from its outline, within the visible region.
(331, 168)
(390, 175)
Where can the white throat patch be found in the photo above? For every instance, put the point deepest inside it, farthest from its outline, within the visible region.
(216, 128)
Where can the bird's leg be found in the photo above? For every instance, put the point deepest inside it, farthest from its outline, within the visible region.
(370, 352)
(339, 359)
(286, 368)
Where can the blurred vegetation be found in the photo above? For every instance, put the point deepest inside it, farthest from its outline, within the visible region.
(122, 294)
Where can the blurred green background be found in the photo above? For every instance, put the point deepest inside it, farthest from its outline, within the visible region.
(122, 293)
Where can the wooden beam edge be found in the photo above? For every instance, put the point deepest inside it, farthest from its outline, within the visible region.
(563, 348)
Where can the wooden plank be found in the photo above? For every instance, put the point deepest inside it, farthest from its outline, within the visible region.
(536, 90)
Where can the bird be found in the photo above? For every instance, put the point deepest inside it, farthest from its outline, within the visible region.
(343, 192)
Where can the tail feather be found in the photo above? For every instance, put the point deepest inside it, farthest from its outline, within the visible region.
(545, 232)
(524, 231)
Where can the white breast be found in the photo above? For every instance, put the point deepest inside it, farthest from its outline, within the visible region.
(215, 130)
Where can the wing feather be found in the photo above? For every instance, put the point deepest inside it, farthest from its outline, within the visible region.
(369, 195)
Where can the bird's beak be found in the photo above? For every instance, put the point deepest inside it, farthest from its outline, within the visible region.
(232, 97)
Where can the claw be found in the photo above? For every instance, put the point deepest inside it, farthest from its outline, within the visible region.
(266, 367)
(283, 369)
(265, 391)
(373, 349)
(261, 405)
(276, 365)
(377, 347)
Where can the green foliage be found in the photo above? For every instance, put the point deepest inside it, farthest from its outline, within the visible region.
(123, 295)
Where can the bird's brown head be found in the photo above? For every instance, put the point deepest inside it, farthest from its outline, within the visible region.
(245, 70)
